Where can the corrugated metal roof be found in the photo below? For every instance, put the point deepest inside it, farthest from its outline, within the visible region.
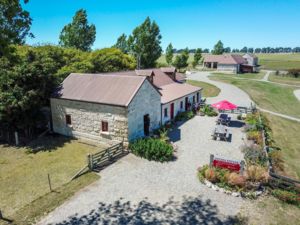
(100, 88)
(174, 91)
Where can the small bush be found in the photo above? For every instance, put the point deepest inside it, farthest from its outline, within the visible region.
(152, 149)
(256, 136)
(257, 174)
(294, 73)
(182, 116)
(287, 196)
(209, 111)
(254, 154)
(210, 174)
(235, 179)
(277, 160)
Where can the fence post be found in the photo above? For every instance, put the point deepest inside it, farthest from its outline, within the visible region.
(242, 167)
(1, 216)
(49, 182)
(90, 161)
(211, 159)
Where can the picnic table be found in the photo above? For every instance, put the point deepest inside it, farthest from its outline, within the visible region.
(221, 132)
(224, 119)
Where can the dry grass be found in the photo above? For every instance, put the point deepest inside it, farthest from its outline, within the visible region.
(269, 210)
(259, 75)
(284, 80)
(279, 61)
(23, 175)
(209, 90)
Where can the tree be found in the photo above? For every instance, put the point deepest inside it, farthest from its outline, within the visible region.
(218, 48)
(14, 24)
(78, 34)
(244, 50)
(144, 43)
(122, 43)
(169, 54)
(181, 60)
(227, 50)
(111, 59)
(197, 57)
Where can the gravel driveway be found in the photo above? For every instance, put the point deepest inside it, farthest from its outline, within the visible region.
(136, 191)
(228, 92)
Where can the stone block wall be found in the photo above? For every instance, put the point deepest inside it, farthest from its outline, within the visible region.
(146, 101)
(86, 120)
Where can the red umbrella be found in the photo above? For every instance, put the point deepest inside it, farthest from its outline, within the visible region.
(224, 105)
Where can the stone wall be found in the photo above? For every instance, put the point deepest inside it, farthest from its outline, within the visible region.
(86, 120)
(146, 101)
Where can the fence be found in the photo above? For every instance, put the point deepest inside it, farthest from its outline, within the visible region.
(100, 159)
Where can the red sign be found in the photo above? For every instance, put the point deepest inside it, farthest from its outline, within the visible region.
(227, 164)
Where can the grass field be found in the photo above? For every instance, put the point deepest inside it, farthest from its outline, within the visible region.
(279, 61)
(284, 79)
(162, 59)
(23, 175)
(270, 211)
(286, 135)
(269, 96)
(209, 90)
(259, 75)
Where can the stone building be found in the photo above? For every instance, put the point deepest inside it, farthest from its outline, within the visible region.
(106, 108)
(120, 106)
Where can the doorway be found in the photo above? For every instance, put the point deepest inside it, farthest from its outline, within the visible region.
(172, 111)
(146, 125)
(186, 103)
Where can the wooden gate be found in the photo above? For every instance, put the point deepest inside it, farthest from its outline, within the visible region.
(105, 157)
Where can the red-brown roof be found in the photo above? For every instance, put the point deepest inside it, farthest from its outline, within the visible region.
(100, 88)
(225, 59)
(175, 91)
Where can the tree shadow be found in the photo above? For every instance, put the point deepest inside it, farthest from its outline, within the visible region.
(50, 142)
(189, 211)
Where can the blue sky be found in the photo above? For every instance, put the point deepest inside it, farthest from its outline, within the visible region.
(185, 23)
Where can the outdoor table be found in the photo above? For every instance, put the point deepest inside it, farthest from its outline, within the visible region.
(221, 131)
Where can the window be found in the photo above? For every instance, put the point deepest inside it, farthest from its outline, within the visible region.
(104, 126)
(181, 105)
(68, 119)
(166, 112)
(197, 96)
(194, 99)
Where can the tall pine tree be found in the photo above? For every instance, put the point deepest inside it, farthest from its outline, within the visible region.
(169, 54)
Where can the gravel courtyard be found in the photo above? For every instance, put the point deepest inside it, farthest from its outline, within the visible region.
(136, 191)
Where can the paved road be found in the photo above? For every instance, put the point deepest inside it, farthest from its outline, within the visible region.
(136, 191)
(234, 94)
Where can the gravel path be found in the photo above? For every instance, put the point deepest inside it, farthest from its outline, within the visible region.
(297, 94)
(266, 77)
(136, 191)
(228, 92)
(236, 95)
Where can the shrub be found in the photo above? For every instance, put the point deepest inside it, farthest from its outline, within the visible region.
(201, 172)
(152, 149)
(163, 134)
(254, 154)
(210, 174)
(294, 73)
(255, 135)
(235, 179)
(257, 174)
(209, 111)
(287, 196)
(277, 160)
(182, 116)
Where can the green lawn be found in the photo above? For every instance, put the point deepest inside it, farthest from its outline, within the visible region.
(23, 175)
(259, 75)
(283, 61)
(286, 135)
(269, 96)
(284, 79)
(162, 59)
(209, 90)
